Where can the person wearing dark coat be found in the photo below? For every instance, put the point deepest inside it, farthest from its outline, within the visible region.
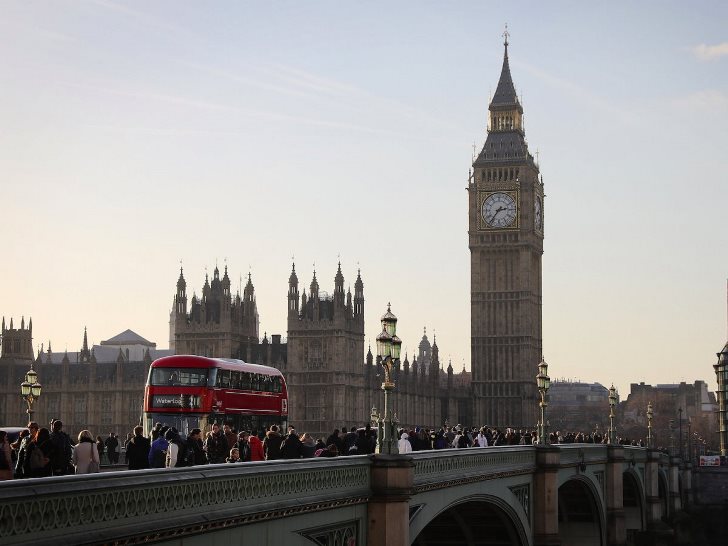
(62, 451)
(291, 448)
(243, 446)
(194, 446)
(272, 444)
(335, 439)
(137, 450)
(216, 445)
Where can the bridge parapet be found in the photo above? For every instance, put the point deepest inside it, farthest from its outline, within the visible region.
(175, 502)
(572, 454)
(444, 468)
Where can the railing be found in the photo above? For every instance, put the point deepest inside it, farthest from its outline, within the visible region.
(582, 453)
(446, 467)
(163, 503)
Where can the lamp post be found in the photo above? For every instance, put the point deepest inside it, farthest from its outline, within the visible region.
(649, 425)
(389, 347)
(672, 441)
(690, 439)
(612, 404)
(680, 436)
(543, 381)
(30, 390)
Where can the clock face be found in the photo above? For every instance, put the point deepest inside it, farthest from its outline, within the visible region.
(537, 213)
(499, 210)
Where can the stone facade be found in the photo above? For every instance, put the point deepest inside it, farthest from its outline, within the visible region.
(578, 407)
(99, 388)
(699, 421)
(506, 233)
(330, 382)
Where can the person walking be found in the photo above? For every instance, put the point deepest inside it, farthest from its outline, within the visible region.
(243, 446)
(38, 458)
(291, 447)
(24, 449)
(403, 444)
(272, 444)
(216, 445)
(100, 446)
(85, 457)
(158, 450)
(137, 450)
(62, 450)
(112, 448)
(176, 449)
(6, 457)
(195, 449)
(256, 447)
(308, 446)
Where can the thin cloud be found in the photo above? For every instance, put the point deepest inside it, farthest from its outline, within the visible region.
(186, 102)
(708, 100)
(292, 81)
(141, 17)
(704, 52)
(580, 93)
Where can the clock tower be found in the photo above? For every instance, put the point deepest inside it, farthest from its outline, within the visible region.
(506, 229)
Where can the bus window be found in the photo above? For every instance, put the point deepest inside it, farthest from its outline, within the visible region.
(268, 384)
(223, 377)
(255, 383)
(186, 377)
(235, 380)
(246, 381)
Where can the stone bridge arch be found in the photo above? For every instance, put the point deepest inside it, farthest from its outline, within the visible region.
(477, 519)
(663, 491)
(582, 511)
(633, 501)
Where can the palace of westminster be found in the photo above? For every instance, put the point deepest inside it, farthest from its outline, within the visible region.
(332, 380)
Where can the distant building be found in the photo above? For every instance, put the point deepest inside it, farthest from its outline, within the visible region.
(99, 388)
(578, 407)
(698, 405)
(330, 382)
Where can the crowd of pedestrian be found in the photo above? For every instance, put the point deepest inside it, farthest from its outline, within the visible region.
(40, 452)
(460, 437)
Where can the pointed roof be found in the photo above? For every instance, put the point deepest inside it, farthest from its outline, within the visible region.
(339, 278)
(505, 93)
(293, 279)
(128, 337)
(181, 281)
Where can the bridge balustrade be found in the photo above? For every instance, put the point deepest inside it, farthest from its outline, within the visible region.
(163, 503)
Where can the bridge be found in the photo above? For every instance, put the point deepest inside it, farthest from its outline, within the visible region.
(578, 494)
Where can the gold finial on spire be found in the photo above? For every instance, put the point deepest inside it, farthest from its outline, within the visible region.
(506, 35)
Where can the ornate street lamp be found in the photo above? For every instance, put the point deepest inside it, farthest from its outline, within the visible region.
(543, 382)
(389, 347)
(672, 439)
(649, 425)
(612, 404)
(30, 390)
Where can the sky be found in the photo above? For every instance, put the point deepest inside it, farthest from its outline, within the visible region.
(137, 134)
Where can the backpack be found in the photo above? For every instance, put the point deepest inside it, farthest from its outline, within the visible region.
(38, 459)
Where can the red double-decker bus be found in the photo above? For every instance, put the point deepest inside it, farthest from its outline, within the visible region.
(189, 392)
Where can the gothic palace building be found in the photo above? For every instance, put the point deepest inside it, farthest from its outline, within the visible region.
(331, 382)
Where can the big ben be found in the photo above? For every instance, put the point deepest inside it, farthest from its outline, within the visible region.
(506, 230)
